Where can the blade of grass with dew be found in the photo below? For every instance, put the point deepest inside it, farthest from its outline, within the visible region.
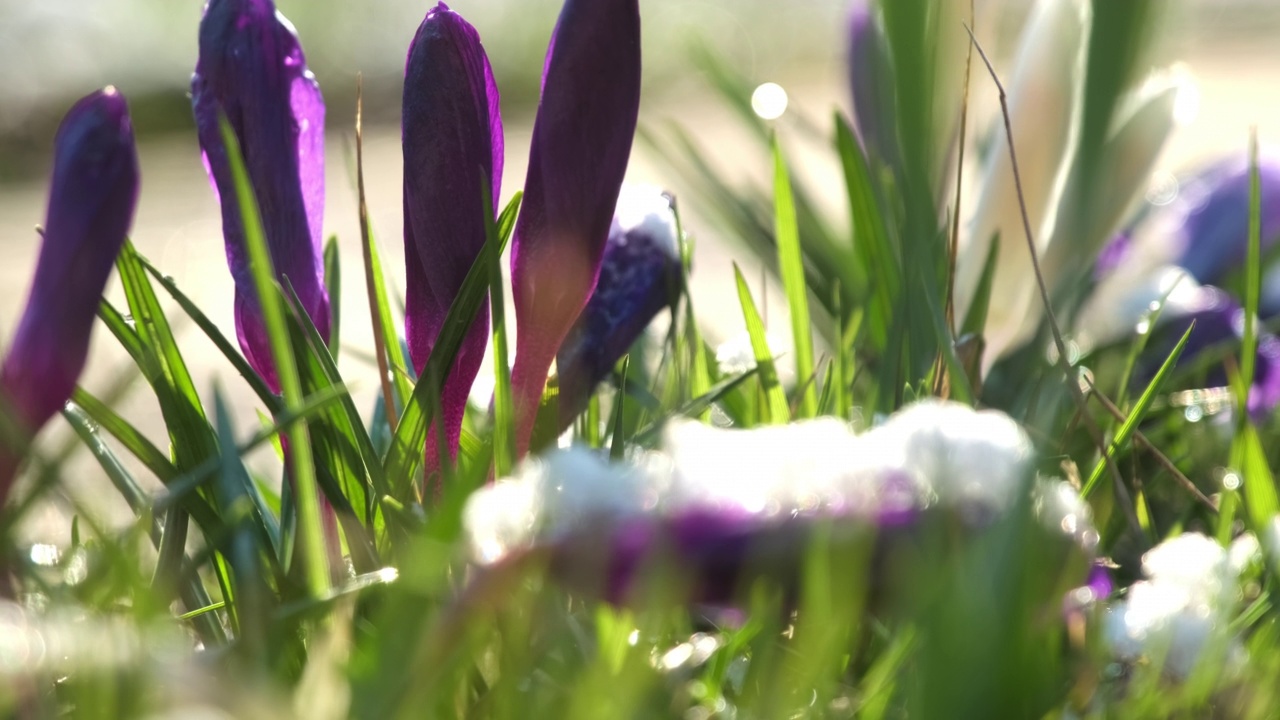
(873, 252)
(333, 285)
(130, 437)
(504, 448)
(191, 591)
(791, 265)
(341, 471)
(405, 456)
(322, 377)
(975, 320)
(617, 444)
(695, 407)
(1247, 453)
(1136, 415)
(315, 570)
(191, 437)
(776, 409)
(386, 339)
(229, 351)
(253, 602)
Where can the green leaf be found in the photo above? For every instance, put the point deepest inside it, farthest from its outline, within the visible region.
(618, 445)
(776, 409)
(310, 529)
(229, 351)
(1137, 414)
(504, 420)
(791, 263)
(333, 284)
(975, 321)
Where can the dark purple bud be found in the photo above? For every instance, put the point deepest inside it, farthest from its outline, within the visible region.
(1210, 220)
(251, 68)
(92, 197)
(452, 133)
(639, 276)
(581, 143)
(1219, 323)
(871, 83)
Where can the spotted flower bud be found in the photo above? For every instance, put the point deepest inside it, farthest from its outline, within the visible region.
(639, 276)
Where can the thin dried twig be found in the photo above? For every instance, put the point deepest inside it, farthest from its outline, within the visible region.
(1063, 359)
(379, 340)
(955, 212)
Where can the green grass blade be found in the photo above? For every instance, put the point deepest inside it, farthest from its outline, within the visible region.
(504, 449)
(618, 444)
(776, 409)
(791, 264)
(130, 437)
(310, 530)
(1136, 415)
(333, 284)
(1253, 285)
(215, 335)
(975, 320)
(1249, 458)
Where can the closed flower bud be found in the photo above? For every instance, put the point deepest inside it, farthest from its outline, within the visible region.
(92, 198)
(251, 69)
(581, 144)
(452, 141)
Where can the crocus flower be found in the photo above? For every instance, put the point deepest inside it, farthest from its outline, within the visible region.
(721, 507)
(452, 141)
(581, 143)
(871, 82)
(1199, 237)
(639, 276)
(92, 198)
(251, 69)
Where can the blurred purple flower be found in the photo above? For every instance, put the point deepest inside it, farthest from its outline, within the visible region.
(251, 68)
(715, 509)
(452, 141)
(581, 144)
(871, 83)
(92, 197)
(639, 276)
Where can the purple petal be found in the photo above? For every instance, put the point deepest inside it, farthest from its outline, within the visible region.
(581, 144)
(92, 197)
(252, 69)
(1219, 321)
(1214, 218)
(639, 276)
(453, 144)
(871, 82)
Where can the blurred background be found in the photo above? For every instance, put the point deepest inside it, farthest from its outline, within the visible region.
(54, 51)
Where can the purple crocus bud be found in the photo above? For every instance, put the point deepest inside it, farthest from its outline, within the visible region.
(716, 509)
(1211, 217)
(92, 198)
(639, 276)
(452, 140)
(871, 82)
(251, 69)
(581, 143)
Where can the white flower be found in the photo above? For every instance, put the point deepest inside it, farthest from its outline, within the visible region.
(647, 208)
(1181, 612)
